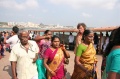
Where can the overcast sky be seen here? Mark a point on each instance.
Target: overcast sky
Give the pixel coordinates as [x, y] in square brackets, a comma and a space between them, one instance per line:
[94, 13]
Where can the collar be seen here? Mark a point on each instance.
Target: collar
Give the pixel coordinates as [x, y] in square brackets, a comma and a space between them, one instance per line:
[30, 45]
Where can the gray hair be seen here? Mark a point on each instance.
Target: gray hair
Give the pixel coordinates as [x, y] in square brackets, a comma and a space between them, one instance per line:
[21, 31]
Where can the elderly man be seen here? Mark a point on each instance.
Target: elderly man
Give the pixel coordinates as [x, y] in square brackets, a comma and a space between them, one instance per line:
[23, 56]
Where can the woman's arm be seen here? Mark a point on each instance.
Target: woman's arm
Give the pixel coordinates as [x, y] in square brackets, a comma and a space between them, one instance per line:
[66, 54]
[78, 40]
[77, 58]
[111, 75]
[38, 38]
[47, 67]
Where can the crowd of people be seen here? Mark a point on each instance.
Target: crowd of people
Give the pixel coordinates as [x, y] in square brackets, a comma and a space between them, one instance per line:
[8, 40]
[44, 57]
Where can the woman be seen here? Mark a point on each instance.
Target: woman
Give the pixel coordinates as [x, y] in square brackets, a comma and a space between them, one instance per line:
[43, 44]
[85, 60]
[113, 57]
[54, 59]
[81, 27]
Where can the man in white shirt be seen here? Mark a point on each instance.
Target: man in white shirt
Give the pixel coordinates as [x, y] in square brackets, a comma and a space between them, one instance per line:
[13, 39]
[23, 56]
[30, 34]
[71, 41]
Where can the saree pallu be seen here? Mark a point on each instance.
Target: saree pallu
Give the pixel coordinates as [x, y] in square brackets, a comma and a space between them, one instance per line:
[57, 65]
[41, 69]
[87, 59]
[43, 46]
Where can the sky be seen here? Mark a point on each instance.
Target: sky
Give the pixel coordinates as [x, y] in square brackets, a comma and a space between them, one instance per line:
[94, 13]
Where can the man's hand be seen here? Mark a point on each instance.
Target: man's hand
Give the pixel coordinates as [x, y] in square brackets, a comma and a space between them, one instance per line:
[36, 57]
[34, 60]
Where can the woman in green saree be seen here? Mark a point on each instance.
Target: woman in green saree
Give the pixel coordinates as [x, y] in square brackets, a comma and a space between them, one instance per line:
[85, 60]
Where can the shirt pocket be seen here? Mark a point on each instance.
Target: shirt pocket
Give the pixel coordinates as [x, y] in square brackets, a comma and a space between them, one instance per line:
[31, 54]
[21, 53]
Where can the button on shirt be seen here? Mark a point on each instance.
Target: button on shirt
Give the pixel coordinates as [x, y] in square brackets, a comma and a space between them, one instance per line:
[26, 69]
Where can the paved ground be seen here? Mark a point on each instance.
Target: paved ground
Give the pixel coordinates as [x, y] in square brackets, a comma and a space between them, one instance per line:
[5, 69]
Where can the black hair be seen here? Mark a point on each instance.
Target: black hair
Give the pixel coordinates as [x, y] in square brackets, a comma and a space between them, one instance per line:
[81, 24]
[87, 32]
[53, 38]
[4, 32]
[95, 33]
[113, 41]
[70, 33]
[107, 35]
[46, 31]
[101, 34]
[15, 29]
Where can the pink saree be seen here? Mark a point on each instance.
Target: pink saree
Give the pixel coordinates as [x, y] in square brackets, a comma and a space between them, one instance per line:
[55, 62]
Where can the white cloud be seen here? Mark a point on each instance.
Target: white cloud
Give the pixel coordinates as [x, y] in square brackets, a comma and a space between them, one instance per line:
[106, 4]
[86, 15]
[13, 4]
[29, 15]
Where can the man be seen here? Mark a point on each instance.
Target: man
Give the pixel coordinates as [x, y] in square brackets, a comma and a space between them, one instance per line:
[30, 34]
[13, 39]
[23, 56]
[71, 41]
